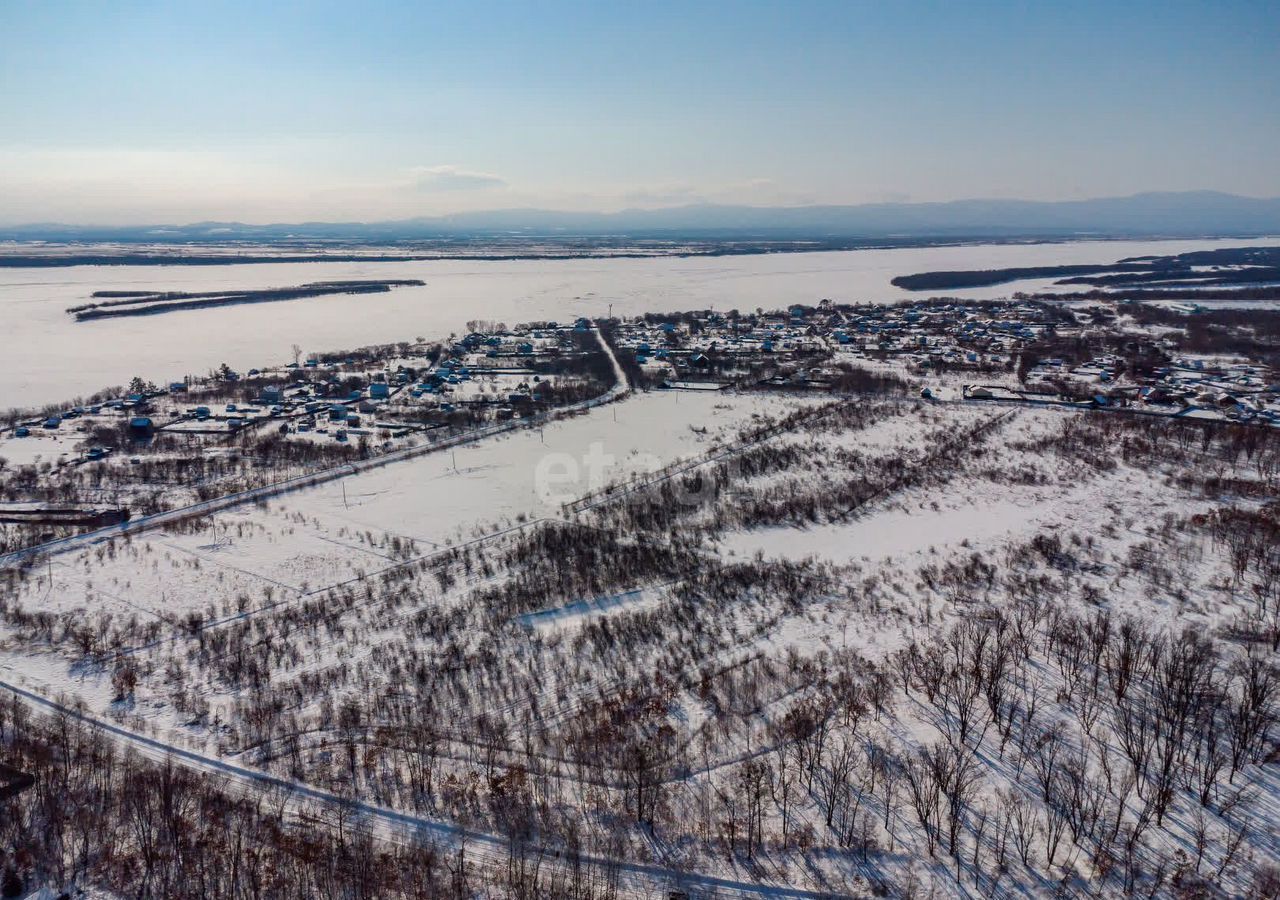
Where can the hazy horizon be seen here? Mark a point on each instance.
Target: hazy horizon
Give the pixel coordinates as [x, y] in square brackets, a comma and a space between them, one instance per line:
[145, 113]
[480, 212]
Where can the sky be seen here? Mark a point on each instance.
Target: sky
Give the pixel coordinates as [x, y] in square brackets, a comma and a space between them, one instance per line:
[271, 111]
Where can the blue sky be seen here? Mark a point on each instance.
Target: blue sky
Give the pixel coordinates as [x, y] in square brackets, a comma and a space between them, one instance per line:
[275, 111]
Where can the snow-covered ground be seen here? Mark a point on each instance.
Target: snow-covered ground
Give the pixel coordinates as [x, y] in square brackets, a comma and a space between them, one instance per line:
[41, 446]
[308, 540]
[336, 591]
[49, 357]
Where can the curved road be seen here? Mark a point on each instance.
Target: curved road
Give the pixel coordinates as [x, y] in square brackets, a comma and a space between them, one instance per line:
[643, 879]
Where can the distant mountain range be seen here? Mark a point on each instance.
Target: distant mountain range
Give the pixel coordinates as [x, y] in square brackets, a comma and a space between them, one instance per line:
[1194, 213]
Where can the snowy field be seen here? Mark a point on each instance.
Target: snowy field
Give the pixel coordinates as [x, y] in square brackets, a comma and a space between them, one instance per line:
[305, 542]
[51, 358]
[773, 614]
[417, 621]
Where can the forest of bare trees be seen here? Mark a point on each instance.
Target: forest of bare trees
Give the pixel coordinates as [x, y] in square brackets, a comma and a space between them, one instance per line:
[1006, 717]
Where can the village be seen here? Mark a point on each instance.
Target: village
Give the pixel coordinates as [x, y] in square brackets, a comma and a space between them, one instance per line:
[157, 448]
[454, 612]
[1031, 352]
[383, 391]
[154, 448]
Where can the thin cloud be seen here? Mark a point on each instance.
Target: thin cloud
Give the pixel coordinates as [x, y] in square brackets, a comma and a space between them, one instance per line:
[664, 196]
[750, 191]
[454, 178]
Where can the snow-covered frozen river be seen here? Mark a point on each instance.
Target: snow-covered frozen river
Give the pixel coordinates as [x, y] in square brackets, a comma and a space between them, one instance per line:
[49, 357]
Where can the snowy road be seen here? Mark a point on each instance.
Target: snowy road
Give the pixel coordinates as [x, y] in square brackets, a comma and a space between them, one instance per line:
[638, 879]
[217, 504]
[642, 880]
